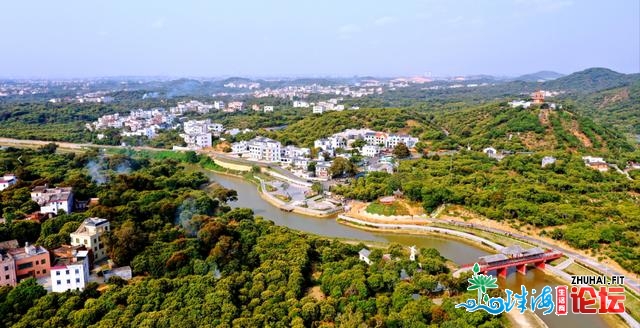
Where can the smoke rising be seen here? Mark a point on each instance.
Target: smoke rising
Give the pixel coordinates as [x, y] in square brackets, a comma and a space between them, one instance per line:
[184, 214]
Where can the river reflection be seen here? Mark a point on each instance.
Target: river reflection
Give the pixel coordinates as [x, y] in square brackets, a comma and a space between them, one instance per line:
[454, 250]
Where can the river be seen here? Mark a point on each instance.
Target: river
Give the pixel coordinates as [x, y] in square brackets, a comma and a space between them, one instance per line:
[454, 250]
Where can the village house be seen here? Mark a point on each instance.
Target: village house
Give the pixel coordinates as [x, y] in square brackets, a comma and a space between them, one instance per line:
[90, 234]
[300, 104]
[7, 181]
[260, 148]
[197, 135]
[70, 273]
[7, 269]
[596, 163]
[364, 255]
[318, 109]
[8, 263]
[322, 170]
[370, 150]
[52, 200]
[218, 105]
[633, 165]
[216, 128]
[235, 106]
[267, 109]
[30, 261]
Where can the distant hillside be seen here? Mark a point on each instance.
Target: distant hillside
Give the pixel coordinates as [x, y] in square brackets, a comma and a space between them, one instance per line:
[529, 129]
[494, 125]
[542, 75]
[619, 107]
[591, 80]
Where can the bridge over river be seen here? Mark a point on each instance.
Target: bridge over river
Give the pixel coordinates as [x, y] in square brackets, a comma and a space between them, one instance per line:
[513, 256]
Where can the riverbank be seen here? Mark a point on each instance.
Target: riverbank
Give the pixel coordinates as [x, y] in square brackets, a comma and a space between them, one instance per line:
[220, 167]
[558, 275]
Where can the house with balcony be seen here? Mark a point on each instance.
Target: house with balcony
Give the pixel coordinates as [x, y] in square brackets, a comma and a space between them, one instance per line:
[90, 234]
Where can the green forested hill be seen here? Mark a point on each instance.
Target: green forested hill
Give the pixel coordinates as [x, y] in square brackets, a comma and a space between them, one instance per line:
[454, 126]
[618, 107]
[591, 80]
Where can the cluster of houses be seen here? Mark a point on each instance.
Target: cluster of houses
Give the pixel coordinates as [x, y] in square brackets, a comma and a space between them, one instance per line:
[375, 143]
[148, 122]
[64, 268]
[321, 106]
[199, 134]
[138, 123]
[303, 91]
[53, 200]
[192, 106]
[537, 98]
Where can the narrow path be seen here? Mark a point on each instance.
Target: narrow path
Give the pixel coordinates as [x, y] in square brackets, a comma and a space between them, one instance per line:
[564, 264]
[423, 228]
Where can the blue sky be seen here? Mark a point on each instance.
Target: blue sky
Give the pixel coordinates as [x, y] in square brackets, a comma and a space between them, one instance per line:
[79, 38]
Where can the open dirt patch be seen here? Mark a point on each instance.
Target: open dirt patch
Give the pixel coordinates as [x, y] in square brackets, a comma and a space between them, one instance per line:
[316, 293]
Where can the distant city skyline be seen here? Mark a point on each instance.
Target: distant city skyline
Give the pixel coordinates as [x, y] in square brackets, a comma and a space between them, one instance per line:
[286, 38]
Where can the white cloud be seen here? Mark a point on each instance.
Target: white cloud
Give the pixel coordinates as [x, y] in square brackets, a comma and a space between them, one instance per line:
[347, 31]
[158, 23]
[384, 20]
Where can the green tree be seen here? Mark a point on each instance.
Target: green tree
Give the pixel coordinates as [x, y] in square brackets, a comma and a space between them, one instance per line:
[401, 150]
[342, 166]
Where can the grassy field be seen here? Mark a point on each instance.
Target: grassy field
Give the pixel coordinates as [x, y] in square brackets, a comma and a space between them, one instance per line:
[394, 209]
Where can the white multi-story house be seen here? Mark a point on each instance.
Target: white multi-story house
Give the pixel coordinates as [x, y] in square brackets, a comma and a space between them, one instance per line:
[240, 147]
[216, 127]
[268, 109]
[89, 234]
[265, 149]
[71, 273]
[218, 105]
[300, 162]
[197, 126]
[198, 140]
[376, 138]
[322, 170]
[293, 152]
[197, 135]
[300, 104]
[52, 200]
[394, 139]
[330, 143]
[370, 150]
[318, 109]
[7, 181]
